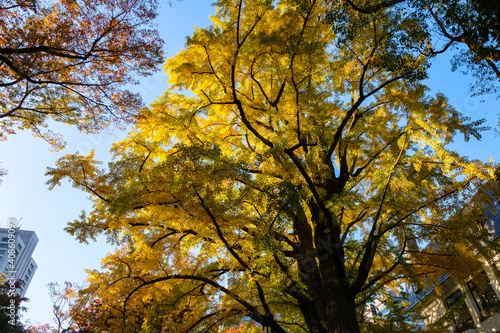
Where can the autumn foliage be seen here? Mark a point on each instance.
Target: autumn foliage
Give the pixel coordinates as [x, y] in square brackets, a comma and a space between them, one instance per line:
[71, 61]
[291, 172]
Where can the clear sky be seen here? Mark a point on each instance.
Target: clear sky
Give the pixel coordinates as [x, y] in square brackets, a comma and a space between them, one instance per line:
[23, 193]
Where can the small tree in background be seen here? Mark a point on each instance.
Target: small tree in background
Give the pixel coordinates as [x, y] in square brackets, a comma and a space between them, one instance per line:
[10, 307]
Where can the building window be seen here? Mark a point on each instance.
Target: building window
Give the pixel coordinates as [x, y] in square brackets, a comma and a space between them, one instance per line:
[484, 296]
[462, 317]
[415, 289]
[5, 239]
[3, 246]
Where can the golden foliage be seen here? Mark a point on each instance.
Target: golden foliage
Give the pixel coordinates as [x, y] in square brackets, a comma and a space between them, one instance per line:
[284, 177]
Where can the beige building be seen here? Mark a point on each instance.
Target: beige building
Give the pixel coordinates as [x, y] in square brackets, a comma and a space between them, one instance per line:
[473, 303]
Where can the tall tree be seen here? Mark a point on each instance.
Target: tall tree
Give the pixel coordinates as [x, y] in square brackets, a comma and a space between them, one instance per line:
[70, 61]
[286, 177]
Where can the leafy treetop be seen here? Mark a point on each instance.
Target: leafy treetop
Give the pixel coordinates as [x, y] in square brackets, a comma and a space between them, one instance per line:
[71, 61]
[287, 176]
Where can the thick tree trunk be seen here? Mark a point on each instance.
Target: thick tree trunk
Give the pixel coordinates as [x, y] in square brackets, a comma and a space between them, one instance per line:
[331, 310]
[332, 306]
[338, 317]
[340, 303]
[340, 312]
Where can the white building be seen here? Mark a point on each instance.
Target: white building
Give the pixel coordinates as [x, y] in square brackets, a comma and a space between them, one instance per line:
[24, 243]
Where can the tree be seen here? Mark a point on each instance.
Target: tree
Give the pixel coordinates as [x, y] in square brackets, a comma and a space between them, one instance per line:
[45, 328]
[71, 61]
[472, 24]
[10, 307]
[62, 305]
[60, 298]
[397, 318]
[285, 177]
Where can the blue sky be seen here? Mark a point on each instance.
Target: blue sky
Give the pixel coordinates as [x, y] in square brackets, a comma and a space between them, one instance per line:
[23, 193]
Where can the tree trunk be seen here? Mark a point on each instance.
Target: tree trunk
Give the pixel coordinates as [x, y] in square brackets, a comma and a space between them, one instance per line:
[333, 309]
[340, 312]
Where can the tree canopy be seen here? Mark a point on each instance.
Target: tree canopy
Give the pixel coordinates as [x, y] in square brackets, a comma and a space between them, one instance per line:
[450, 24]
[71, 61]
[11, 306]
[290, 172]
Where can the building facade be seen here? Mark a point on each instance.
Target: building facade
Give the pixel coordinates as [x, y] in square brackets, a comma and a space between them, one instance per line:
[472, 303]
[19, 261]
